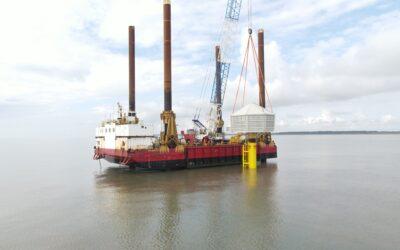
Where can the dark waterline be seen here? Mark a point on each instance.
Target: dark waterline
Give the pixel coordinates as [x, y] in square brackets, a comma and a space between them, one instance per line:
[324, 192]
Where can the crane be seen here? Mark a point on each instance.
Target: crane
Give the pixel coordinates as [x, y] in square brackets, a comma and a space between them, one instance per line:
[223, 64]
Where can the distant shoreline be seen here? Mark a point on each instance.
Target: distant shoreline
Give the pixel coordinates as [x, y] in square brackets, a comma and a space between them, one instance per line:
[337, 133]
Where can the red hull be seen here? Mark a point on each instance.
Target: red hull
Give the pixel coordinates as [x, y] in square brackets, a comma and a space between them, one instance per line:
[191, 157]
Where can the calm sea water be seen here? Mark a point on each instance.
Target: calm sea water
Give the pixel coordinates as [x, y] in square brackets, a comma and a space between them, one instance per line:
[324, 192]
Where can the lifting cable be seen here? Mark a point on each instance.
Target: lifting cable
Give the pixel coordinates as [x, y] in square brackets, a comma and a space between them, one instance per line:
[207, 81]
[245, 79]
[250, 43]
[241, 74]
[203, 89]
[258, 69]
[250, 14]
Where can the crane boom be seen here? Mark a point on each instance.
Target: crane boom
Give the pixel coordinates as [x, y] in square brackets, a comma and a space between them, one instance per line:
[223, 61]
[227, 40]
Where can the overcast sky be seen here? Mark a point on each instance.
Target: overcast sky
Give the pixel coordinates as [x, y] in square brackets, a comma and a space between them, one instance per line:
[331, 64]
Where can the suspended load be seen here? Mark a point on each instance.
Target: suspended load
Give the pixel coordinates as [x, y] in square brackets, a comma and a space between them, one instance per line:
[252, 119]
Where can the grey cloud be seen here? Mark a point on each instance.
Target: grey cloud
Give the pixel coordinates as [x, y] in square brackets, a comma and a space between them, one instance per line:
[363, 69]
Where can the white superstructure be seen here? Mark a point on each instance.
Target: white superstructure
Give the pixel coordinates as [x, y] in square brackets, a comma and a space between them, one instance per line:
[252, 119]
[124, 133]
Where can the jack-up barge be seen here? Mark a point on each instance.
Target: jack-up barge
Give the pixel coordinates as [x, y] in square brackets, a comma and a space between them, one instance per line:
[129, 142]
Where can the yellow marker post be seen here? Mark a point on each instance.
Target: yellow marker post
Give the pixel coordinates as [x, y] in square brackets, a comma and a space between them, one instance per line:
[252, 148]
[249, 155]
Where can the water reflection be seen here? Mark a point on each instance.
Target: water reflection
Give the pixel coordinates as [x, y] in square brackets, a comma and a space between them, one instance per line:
[168, 209]
[250, 177]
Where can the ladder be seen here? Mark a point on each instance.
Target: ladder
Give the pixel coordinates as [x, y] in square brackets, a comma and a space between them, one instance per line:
[249, 155]
[245, 156]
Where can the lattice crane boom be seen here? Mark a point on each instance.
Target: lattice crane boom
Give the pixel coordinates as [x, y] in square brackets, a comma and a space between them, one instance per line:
[227, 41]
